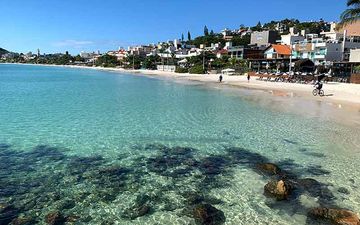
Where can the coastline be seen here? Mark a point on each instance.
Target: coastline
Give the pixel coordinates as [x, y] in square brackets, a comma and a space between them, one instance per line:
[339, 93]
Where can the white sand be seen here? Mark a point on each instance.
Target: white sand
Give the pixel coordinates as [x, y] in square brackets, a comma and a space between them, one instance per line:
[334, 92]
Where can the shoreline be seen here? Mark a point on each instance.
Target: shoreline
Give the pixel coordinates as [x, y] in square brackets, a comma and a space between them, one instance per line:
[340, 94]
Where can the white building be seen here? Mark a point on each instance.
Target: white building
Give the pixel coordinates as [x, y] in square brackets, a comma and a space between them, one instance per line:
[289, 39]
[354, 56]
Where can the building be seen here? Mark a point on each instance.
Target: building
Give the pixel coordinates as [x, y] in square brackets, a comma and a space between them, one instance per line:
[234, 51]
[227, 34]
[354, 56]
[276, 51]
[318, 50]
[264, 38]
[141, 50]
[119, 54]
[89, 57]
[289, 39]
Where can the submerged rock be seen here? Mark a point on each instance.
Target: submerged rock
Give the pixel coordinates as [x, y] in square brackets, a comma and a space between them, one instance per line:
[24, 220]
[67, 204]
[344, 191]
[7, 213]
[137, 211]
[55, 218]
[280, 190]
[206, 214]
[72, 218]
[335, 216]
[269, 168]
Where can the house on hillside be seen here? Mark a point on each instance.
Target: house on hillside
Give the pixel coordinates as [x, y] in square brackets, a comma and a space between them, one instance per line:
[276, 51]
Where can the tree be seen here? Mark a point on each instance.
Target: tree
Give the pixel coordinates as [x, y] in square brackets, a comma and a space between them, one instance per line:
[258, 27]
[150, 62]
[212, 33]
[189, 36]
[182, 37]
[350, 15]
[206, 31]
[107, 61]
[241, 40]
[133, 61]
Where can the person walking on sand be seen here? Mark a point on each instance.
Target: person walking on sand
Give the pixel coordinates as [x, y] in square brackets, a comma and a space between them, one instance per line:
[248, 78]
[220, 78]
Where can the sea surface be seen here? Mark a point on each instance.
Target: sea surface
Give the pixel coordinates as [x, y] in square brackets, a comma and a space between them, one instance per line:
[108, 148]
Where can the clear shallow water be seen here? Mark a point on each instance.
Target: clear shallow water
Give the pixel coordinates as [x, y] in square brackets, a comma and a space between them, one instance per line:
[93, 144]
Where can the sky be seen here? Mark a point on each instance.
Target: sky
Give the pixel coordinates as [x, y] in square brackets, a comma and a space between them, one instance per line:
[92, 25]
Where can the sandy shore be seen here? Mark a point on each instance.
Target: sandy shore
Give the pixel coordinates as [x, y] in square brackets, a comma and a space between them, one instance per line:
[341, 93]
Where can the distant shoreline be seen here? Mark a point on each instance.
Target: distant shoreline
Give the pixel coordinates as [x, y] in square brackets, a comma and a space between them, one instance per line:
[339, 93]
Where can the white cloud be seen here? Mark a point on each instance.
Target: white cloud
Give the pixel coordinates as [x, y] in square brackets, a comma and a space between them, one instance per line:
[72, 43]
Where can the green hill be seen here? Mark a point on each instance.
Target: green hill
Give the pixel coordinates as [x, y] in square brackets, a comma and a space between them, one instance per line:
[3, 51]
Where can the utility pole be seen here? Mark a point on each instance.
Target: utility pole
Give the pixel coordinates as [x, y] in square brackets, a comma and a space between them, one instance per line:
[204, 60]
[290, 63]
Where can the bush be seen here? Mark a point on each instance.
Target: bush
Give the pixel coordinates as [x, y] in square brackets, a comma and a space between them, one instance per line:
[357, 69]
[197, 69]
[181, 70]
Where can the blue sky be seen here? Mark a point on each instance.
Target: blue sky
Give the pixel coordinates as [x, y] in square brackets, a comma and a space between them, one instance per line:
[84, 25]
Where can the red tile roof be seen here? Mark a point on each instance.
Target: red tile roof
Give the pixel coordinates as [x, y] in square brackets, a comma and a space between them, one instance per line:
[282, 49]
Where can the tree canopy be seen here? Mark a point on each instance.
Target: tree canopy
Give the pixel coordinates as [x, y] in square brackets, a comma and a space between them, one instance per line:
[352, 14]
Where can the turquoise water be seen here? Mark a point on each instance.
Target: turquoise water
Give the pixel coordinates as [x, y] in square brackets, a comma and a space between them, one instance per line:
[109, 148]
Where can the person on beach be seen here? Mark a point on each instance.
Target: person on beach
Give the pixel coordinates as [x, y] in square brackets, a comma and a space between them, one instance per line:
[220, 78]
[248, 78]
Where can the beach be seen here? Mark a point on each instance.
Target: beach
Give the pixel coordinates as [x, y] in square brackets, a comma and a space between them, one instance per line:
[107, 146]
[341, 93]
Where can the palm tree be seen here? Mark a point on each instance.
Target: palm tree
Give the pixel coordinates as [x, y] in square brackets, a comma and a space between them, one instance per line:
[352, 14]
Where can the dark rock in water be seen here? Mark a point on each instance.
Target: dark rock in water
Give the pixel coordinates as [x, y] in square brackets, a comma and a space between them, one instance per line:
[213, 165]
[344, 191]
[352, 181]
[4, 146]
[72, 218]
[206, 214]
[190, 162]
[108, 197]
[7, 213]
[280, 190]
[54, 196]
[67, 204]
[335, 216]
[308, 183]
[135, 212]
[142, 199]
[317, 171]
[193, 198]
[315, 189]
[140, 208]
[269, 168]
[55, 218]
[25, 220]
[226, 133]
